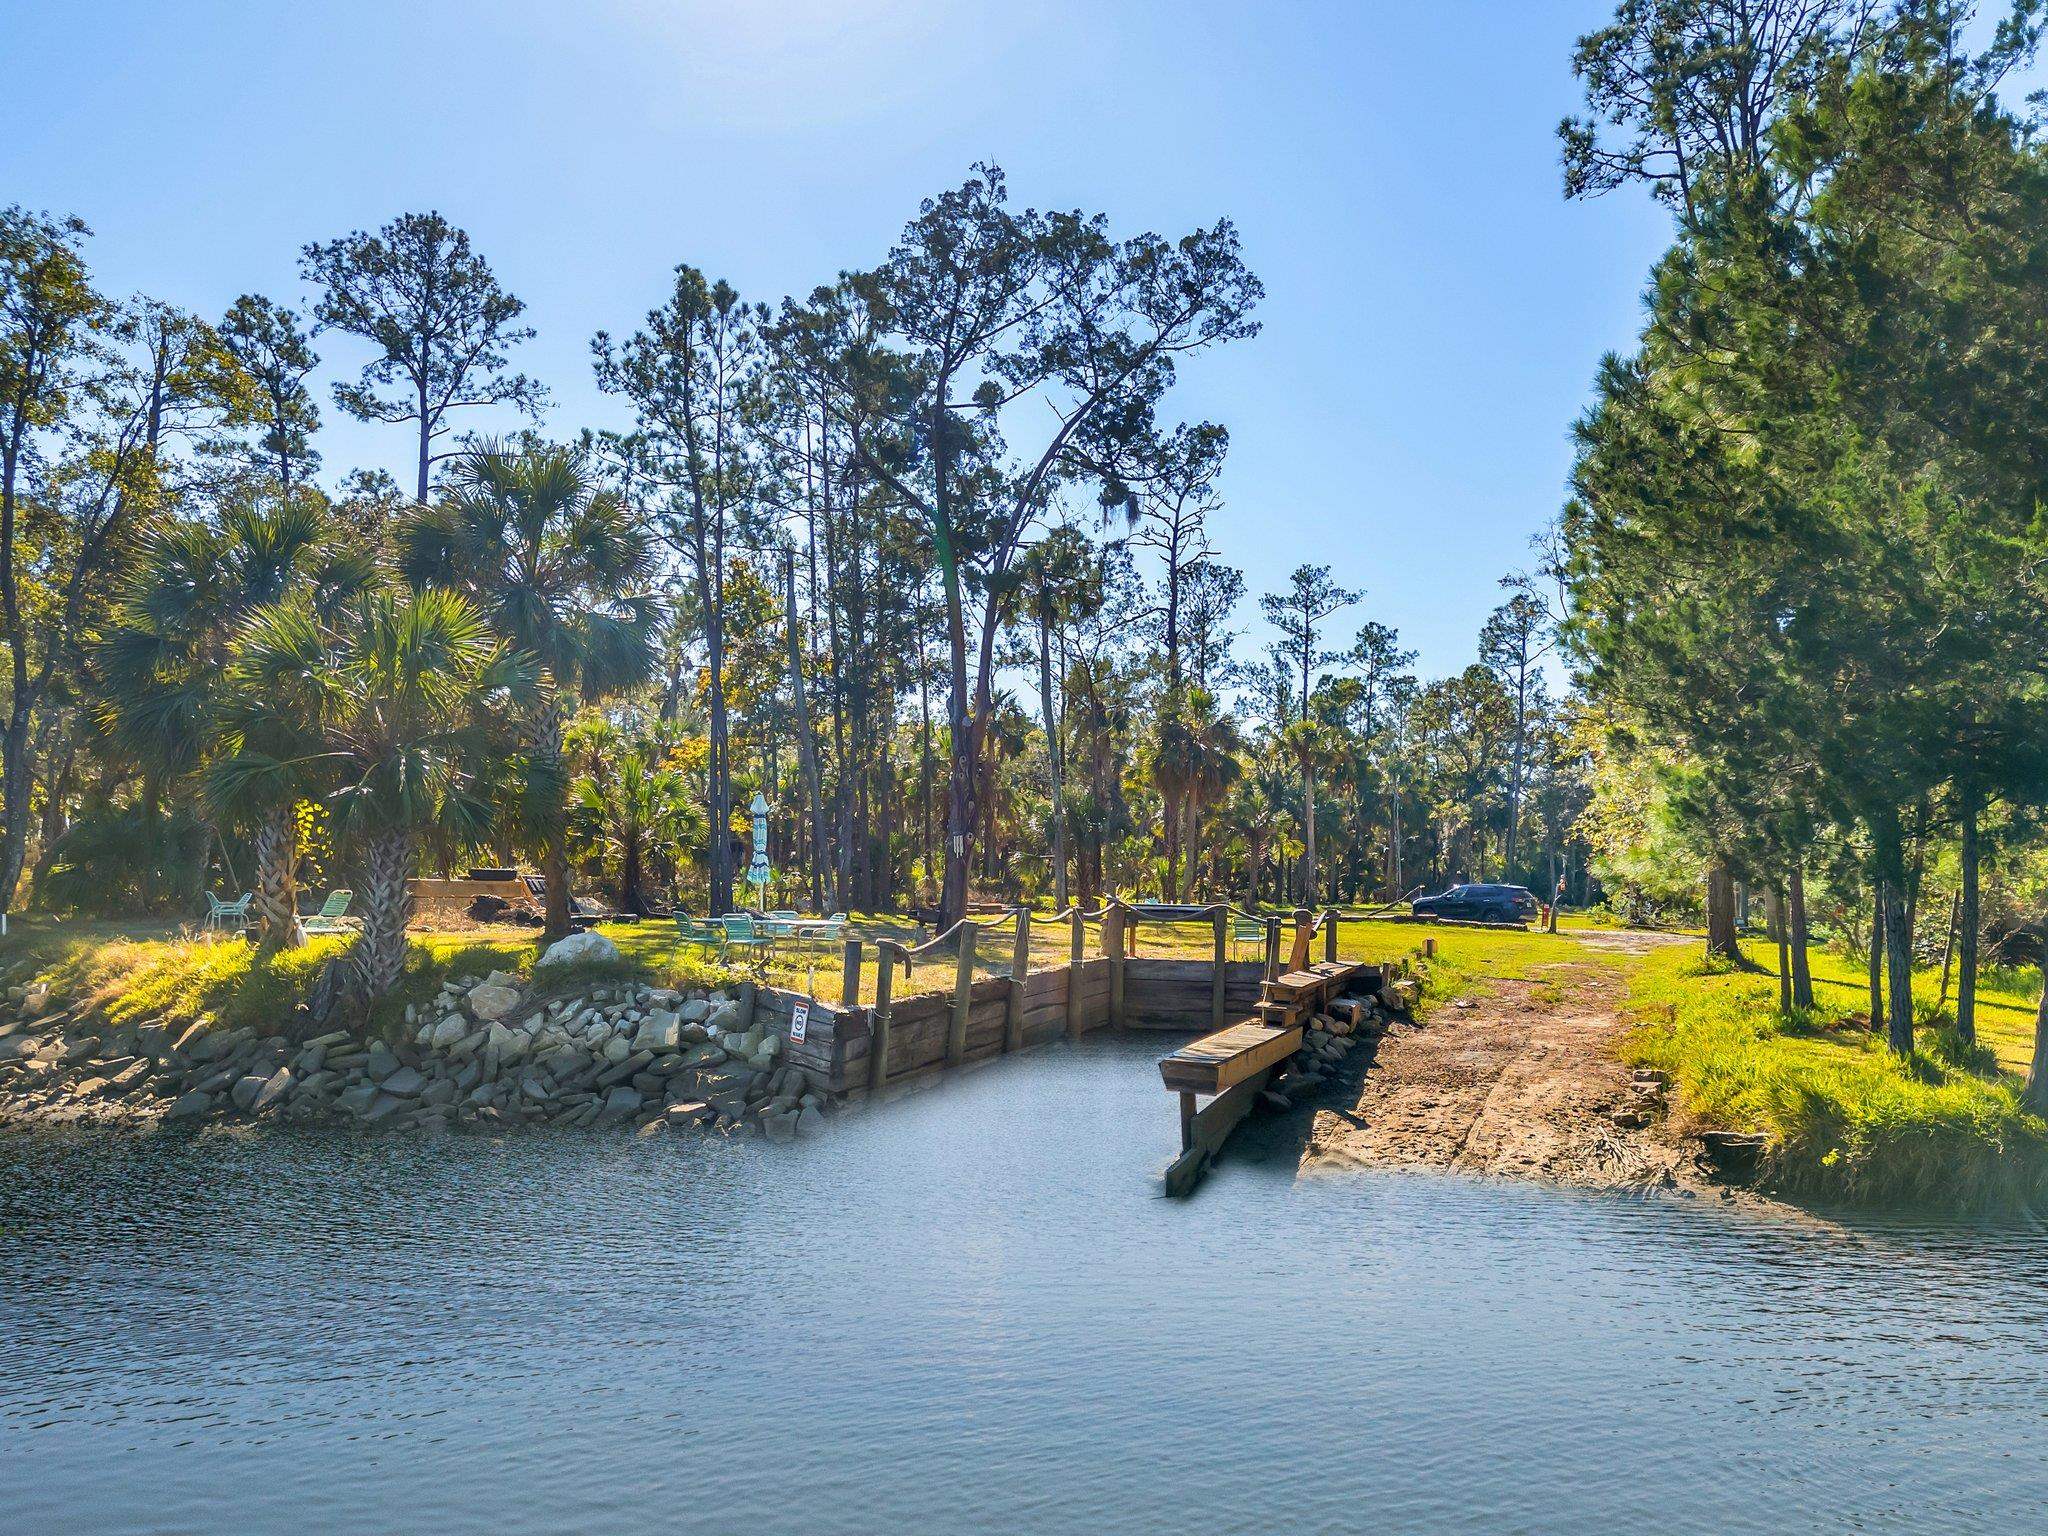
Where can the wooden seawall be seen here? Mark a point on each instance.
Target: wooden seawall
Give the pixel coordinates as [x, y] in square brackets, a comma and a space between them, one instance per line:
[852, 1050]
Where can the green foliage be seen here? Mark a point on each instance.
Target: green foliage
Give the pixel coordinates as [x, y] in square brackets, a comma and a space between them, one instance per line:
[180, 981]
[1847, 1119]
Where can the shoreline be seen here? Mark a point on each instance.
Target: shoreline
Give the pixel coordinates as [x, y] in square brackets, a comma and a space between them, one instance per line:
[487, 1052]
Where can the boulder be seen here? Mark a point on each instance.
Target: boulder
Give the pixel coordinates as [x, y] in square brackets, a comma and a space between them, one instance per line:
[277, 1087]
[405, 1083]
[358, 1099]
[778, 1126]
[245, 1090]
[491, 1001]
[661, 1031]
[190, 1106]
[695, 1011]
[450, 1030]
[621, 1102]
[510, 1044]
[588, 946]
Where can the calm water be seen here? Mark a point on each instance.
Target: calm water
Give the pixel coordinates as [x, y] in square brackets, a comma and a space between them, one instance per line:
[971, 1313]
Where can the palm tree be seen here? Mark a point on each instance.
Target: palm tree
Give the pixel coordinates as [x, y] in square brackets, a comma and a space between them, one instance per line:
[1215, 767]
[391, 711]
[163, 657]
[559, 568]
[629, 800]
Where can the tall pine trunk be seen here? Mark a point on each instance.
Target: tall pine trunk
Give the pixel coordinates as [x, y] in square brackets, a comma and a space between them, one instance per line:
[1802, 975]
[1898, 936]
[2036, 1095]
[1966, 923]
[1054, 761]
[1774, 909]
[1721, 937]
[807, 747]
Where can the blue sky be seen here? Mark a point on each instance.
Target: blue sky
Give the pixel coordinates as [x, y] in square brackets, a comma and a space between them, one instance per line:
[1435, 309]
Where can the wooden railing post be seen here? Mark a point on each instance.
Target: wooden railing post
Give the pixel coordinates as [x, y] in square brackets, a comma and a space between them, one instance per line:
[1330, 921]
[1272, 949]
[849, 974]
[878, 1032]
[1113, 946]
[1077, 951]
[1221, 952]
[1020, 972]
[963, 987]
[1303, 926]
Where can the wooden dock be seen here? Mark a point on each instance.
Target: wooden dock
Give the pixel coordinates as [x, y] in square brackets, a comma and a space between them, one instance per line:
[1234, 1066]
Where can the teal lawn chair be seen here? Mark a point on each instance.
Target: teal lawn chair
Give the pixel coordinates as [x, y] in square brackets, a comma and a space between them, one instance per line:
[744, 932]
[333, 915]
[228, 914]
[704, 935]
[1247, 930]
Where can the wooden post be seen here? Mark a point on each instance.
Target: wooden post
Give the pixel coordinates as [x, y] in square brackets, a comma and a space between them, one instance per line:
[1429, 948]
[1272, 949]
[963, 986]
[878, 1042]
[1113, 946]
[1077, 951]
[1187, 1121]
[1329, 935]
[1303, 925]
[849, 973]
[1020, 972]
[1221, 951]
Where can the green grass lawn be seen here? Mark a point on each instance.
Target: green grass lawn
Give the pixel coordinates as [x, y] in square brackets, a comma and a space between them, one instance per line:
[1847, 1119]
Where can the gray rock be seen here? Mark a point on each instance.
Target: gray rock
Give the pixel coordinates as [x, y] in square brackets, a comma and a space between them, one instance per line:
[450, 1030]
[778, 1127]
[245, 1090]
[809, 1121]
[589, 946]
[662, 1031]
[617, 1049]
[622, 1101]
[190, 1106]
[510, 1044]
[356, 1100]
[277, 1087]
[405, 1083]
[724, 1016]
[383, 1107]
[491, 1003]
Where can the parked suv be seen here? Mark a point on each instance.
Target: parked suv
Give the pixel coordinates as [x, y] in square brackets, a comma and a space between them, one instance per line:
[1481, 904]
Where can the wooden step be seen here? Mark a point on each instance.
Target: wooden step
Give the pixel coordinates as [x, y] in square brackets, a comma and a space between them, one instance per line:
[1228, 1057]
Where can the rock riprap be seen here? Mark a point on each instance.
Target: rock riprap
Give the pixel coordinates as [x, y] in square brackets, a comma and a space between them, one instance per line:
[485, 1051]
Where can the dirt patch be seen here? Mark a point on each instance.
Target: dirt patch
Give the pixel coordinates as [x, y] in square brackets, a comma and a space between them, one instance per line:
[1523, 1081]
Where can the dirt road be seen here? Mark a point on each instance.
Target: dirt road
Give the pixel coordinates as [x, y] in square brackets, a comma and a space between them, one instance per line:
[1522, 1081]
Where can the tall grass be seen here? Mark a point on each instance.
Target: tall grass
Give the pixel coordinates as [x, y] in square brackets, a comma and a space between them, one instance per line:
[1847, 1120]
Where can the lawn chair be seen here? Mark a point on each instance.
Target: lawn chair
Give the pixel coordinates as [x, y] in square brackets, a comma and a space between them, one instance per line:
[228, 914]
[333, 916]
[1247, 930]
[743, 931]
[707, 935]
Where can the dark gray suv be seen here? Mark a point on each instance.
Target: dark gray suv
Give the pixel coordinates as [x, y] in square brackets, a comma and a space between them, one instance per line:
[1481, 904]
